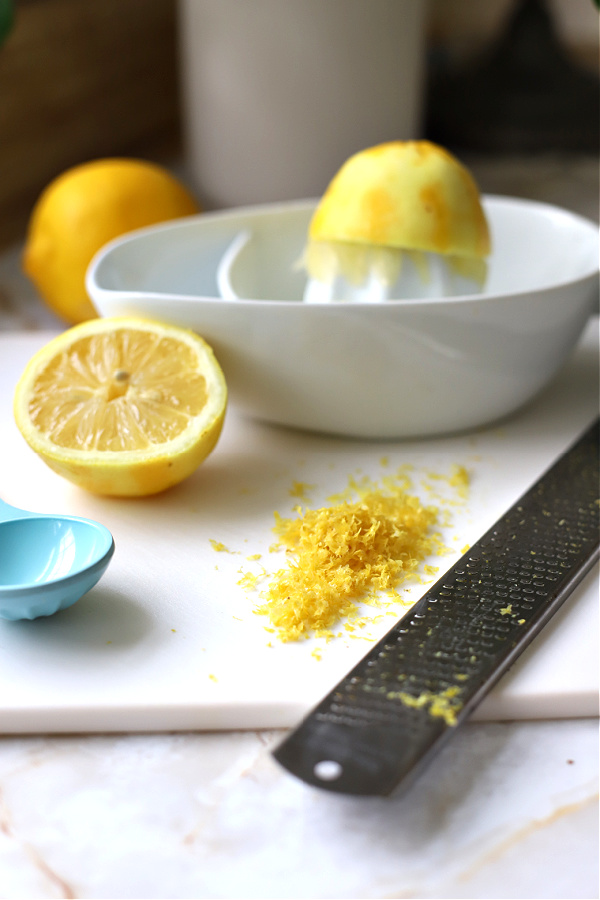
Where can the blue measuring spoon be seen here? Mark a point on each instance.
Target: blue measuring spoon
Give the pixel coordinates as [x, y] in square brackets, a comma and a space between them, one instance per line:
[48, 562]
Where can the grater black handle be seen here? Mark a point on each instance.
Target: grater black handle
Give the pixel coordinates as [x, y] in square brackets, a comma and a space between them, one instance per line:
[396, 708]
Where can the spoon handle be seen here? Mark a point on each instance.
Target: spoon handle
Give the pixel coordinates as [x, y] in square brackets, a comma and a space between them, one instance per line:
[8, 512]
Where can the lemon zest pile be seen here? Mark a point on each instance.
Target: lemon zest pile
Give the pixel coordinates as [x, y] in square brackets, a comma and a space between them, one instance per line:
[347, 553]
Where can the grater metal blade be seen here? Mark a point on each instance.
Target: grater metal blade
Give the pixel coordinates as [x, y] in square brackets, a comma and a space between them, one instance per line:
[396, 708]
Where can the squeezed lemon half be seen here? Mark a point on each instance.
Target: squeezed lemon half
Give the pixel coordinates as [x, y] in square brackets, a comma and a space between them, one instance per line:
[402, 199]
[122, 406]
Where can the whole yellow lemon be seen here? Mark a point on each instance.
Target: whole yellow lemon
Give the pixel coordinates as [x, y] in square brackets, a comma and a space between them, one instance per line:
[83, 209]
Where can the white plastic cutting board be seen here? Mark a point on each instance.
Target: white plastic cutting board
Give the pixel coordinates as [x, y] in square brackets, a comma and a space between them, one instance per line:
[169, 640]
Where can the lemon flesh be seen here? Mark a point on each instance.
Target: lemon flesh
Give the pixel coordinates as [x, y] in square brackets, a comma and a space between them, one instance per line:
[82, 210]
[122, 407]
[398, 204]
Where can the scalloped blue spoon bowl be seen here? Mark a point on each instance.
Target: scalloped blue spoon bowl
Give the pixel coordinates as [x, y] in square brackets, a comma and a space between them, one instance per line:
[48, 562]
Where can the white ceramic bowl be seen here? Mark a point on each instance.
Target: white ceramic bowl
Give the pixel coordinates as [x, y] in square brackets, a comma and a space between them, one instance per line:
[388, 370]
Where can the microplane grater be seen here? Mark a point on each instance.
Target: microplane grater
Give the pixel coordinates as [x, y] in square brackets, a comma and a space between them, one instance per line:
[386, 719]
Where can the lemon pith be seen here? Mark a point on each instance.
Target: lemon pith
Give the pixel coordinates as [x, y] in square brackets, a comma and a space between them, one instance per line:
[125, 407]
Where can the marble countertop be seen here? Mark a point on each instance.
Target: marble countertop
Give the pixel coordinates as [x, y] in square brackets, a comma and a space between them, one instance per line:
[506, 810]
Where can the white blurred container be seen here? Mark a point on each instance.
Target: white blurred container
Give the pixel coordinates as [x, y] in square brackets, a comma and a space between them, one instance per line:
[277, 94]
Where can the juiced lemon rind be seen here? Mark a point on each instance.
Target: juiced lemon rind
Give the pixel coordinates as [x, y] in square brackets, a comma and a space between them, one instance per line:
[404, 194]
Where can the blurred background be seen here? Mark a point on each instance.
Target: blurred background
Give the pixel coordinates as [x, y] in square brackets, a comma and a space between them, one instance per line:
[259, 100]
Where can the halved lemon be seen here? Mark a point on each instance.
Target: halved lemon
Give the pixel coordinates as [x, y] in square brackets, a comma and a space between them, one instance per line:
[400, 197]
[122, 406]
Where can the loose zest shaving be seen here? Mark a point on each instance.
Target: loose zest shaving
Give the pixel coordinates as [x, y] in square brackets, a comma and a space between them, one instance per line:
[219, 547]
[347, 553]
[299, 489]
[444, 705]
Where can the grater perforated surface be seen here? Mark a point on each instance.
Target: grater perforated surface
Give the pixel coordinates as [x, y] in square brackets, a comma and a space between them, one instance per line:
[397, 706]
